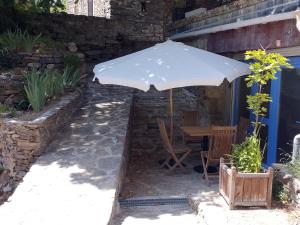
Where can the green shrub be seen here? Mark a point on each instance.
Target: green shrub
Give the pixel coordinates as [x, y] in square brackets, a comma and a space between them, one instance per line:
[35, 89]
[12, 41]
[71, 77]
[29, 41]
[247, 156]
[1, 168]
[280, 192]
[71, 60]
[54, 83]
[5, 108]
[294, 167]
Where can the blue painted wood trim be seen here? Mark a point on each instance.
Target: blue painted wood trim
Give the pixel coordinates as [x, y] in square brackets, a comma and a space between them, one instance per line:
[236, 95]
[273, 120]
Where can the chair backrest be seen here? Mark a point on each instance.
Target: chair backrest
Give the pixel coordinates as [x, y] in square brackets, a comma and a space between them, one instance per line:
[190, 118]
[164, 135]
[221, 142]
[242, 129]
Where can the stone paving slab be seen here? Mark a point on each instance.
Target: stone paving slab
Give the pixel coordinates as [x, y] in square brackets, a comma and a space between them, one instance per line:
[212, 204]
[156, 215]
[77, 180]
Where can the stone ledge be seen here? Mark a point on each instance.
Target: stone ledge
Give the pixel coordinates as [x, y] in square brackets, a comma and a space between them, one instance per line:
[24, 140]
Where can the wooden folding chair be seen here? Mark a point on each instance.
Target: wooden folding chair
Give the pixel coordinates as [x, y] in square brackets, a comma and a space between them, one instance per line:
[176, 152]
[220, 146]
[190, 118]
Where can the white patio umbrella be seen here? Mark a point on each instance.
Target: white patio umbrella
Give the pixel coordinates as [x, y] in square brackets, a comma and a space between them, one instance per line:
[170, 65]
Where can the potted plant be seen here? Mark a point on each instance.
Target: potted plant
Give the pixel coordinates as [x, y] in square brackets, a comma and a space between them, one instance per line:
[243, 182]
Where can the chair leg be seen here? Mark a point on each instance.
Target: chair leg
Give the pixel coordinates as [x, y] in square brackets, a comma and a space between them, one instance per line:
[166, 162]
[178, 162]
[204, 164]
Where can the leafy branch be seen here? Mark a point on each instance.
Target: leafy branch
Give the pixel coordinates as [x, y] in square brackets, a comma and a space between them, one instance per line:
[263, 68]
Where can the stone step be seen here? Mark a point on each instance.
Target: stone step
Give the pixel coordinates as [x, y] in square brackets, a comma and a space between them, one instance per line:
[156, 215]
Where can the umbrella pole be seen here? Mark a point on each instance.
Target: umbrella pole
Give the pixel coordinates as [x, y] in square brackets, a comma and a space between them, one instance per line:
[171, 114]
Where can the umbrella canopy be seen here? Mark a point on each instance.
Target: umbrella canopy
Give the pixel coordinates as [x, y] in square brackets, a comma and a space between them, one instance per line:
[170, 65]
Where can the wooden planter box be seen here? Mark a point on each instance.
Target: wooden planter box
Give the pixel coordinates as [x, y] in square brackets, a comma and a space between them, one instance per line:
[245, 189]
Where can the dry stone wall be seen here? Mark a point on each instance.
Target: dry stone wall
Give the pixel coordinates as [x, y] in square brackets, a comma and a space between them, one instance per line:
[143, 10]
[12, 87]
[99, 39]
[24, 140]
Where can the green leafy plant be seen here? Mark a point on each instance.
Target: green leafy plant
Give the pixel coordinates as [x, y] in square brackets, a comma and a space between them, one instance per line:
[280, 192]
[35, 89]
[54, 83]
[29, 41]
[71, 60]
[36, 6]
[294, 167]
[71, 77]
[247, 157]
[11, 41]
[263, 68]
[5, 108]
[1, 168]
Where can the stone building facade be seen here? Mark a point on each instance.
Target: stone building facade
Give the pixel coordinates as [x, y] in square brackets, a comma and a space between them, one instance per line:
[144, 10]
[244, 25]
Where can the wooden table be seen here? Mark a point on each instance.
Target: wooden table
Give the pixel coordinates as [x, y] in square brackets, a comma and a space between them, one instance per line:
[197, 131]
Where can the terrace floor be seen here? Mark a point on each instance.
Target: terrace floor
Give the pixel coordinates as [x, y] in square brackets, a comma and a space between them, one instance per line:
[146, 180]
[145, 177]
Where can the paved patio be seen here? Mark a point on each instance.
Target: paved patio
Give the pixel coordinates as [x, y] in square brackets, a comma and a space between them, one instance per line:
[146, 180]
[76, 181]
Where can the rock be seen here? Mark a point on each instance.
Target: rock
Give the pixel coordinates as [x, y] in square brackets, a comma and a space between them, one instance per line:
[7, 188]
[50, 66]
[72, 47]
[34, 65]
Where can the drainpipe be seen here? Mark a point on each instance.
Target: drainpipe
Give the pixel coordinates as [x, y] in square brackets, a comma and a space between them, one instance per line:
[242, 23]
[296, 147]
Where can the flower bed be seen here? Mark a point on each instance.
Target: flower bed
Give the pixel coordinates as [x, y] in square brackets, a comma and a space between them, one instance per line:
[24, 139]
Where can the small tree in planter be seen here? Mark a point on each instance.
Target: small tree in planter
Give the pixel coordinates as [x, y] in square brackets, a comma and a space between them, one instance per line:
[245, 183]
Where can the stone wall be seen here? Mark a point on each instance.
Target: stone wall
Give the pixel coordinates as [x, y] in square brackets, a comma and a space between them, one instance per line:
[99, 39]
[211, 102]
[141, 10]
[12, 87]
[24, 140]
